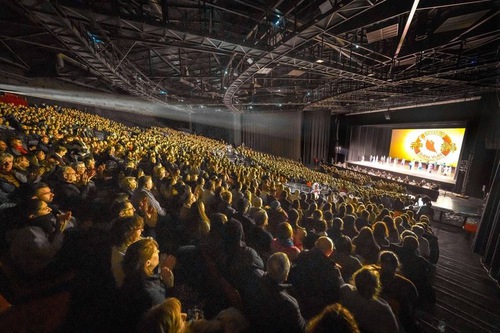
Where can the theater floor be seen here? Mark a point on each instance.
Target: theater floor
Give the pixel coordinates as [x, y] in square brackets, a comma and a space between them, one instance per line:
[468, 300]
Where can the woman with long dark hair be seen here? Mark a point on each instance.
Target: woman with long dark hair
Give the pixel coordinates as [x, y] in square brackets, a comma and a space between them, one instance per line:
[366, 246]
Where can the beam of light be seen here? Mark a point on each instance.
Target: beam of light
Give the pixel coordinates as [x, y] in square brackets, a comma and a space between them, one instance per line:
[209, 115]
[407, 27]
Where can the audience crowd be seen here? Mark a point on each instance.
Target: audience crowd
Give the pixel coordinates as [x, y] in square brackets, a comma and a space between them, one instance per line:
[161, 231]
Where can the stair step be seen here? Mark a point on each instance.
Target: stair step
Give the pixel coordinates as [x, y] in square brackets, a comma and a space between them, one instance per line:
[470, 289]
[461, 320]
[428, 323]
[445, 260]
[486, 317]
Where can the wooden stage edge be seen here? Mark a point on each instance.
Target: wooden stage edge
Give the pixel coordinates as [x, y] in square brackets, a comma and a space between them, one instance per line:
[445, 182]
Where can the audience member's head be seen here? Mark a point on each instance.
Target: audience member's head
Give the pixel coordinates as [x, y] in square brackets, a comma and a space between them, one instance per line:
[121, 208]
[165, 317]
[6, 162]
[325, 245]
[343, 245]
[410, 242]
[278, 267]
[367, 282]
[284, 231]
[333, 318]
[389, 263]
[126, 230]
[141, 259]
[261, 218]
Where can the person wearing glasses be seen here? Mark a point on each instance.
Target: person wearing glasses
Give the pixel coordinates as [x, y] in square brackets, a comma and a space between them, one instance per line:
[67, 195]
[10, 179]
[36, 241]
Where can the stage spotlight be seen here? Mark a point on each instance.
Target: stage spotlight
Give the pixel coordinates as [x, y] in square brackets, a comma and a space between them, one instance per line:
[387, 115]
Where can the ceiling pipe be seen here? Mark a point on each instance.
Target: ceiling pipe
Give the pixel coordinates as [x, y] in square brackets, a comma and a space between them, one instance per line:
[451, 101]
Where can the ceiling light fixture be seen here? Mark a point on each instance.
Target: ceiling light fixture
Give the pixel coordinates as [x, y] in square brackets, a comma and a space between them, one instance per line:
[264, 70]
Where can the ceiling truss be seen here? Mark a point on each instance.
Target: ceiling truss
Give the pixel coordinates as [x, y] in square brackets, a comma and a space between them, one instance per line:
[348, 56]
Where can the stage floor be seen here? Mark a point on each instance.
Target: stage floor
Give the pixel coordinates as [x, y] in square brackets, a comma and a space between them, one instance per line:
[451, 201]
[399, 169]
[446, 200]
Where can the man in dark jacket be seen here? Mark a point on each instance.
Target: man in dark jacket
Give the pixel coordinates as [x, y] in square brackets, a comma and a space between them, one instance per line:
[316, 278]
[272, 308]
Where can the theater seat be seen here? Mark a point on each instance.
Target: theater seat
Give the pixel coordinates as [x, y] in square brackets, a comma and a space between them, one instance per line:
[39, 315]
[4, 305]
[17, 288]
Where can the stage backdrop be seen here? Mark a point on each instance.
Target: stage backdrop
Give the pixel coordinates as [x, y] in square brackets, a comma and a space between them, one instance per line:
[369, 140]
[438, 145]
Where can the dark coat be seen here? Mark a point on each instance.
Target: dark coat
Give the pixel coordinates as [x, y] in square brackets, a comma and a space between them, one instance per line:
[316, 280]
[272, 309]
[137, 297]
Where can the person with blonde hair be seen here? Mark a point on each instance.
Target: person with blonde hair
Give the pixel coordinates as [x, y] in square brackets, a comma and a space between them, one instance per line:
[165, 317]
[334, 318]
[168, 317]
[256, 207]
[128, 184]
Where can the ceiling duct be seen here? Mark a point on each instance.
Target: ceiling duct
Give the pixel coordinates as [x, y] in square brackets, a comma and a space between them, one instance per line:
[325, 7]
[460, 22]
[384, 33]
[296, 72]
[264, 70]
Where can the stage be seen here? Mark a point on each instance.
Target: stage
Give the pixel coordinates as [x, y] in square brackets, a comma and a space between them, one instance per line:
[447, 205]
[404, 170]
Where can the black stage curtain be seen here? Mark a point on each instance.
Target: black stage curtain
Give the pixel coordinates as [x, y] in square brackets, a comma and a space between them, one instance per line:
[316, 138]
[273, 133]
[487, 242]
[369, 140]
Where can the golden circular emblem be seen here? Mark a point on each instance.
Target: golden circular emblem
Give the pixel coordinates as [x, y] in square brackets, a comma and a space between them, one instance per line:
[426, 145]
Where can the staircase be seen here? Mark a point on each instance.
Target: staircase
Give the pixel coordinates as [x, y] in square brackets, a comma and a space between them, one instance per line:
[468, 300]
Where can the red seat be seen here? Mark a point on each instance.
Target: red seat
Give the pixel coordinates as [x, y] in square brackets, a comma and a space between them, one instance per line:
[18, 288]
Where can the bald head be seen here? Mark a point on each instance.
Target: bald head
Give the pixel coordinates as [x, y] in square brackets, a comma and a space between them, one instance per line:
[325, 245]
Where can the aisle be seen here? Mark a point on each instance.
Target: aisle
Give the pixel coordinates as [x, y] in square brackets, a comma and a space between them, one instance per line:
[467, 299]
